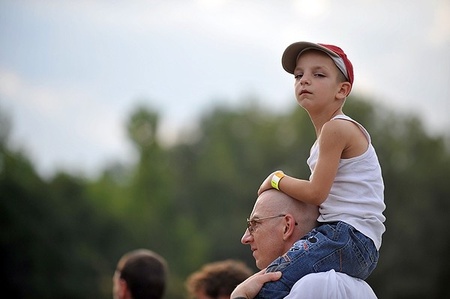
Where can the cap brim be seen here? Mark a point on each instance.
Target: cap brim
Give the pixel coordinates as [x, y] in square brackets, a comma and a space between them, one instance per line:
[289, 58]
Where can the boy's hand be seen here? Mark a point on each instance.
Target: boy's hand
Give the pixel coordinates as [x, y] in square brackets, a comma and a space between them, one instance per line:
[267, 184]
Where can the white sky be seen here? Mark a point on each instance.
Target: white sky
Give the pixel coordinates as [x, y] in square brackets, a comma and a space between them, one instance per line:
[71, 71]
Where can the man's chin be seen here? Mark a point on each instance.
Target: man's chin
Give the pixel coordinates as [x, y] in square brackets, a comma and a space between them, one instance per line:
[260, 265]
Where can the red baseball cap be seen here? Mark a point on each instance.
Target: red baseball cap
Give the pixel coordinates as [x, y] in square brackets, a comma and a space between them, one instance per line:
[292, 52]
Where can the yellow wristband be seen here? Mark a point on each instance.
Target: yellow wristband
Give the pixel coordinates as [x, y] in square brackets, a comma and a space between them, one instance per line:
[277, 176]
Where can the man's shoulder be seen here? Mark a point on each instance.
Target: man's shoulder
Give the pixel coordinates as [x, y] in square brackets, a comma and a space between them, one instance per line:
[330, 284]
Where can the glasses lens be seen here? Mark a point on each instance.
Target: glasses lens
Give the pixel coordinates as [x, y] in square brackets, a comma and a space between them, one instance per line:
[250, 225]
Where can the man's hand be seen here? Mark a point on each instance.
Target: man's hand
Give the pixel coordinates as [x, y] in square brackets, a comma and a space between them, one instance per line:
[250, 287]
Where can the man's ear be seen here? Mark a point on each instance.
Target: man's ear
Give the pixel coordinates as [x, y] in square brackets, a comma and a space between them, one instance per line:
[344, 90]
[289, 226]
[123, 289]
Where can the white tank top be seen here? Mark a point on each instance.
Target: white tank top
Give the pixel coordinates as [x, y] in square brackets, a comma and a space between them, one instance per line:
[357, 194]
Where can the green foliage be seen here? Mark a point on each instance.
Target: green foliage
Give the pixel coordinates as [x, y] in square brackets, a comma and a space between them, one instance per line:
[52, 241]
[62, 238]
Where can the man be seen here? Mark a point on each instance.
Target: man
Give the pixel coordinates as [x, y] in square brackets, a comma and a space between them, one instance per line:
[140, 274]
[217, 280]
[275, 224]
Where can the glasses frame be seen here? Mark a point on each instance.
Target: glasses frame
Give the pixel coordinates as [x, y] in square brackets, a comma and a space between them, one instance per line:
[251, 223]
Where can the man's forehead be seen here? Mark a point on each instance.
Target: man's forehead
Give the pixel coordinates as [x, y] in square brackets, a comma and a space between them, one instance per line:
[262, 206]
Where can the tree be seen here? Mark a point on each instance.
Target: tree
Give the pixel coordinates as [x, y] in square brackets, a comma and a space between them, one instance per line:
[62, 237]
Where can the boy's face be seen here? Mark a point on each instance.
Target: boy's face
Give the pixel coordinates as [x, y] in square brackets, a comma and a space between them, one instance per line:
[317, 81]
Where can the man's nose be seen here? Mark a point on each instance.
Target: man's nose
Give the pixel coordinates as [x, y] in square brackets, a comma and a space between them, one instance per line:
[246, 238]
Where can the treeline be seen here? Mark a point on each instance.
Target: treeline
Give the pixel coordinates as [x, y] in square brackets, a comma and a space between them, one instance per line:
[61, 237]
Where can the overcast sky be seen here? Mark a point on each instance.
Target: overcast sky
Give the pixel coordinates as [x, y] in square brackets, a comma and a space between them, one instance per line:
[71, 72]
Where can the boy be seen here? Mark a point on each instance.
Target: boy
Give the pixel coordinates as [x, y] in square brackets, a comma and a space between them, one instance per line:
[345, 182]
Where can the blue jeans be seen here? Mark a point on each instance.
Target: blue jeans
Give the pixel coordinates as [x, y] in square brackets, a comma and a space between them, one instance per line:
[336, 245]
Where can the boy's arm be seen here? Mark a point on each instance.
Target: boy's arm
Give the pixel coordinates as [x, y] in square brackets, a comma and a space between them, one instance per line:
[333, 140]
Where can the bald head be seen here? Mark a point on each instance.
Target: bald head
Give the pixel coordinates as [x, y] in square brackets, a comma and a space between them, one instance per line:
[278, 202]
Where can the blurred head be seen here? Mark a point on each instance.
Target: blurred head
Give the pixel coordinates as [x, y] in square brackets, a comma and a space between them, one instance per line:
[140, 274]
[217, 280]
[275, 224]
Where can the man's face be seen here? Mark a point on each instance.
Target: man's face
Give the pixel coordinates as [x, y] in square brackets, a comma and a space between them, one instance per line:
[266, 239]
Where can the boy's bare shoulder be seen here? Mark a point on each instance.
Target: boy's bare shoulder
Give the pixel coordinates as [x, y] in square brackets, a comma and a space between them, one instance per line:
[350, 134]
[344, 125]
[340, 126]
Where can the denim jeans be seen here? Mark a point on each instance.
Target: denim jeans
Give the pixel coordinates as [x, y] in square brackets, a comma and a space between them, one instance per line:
[336, 245]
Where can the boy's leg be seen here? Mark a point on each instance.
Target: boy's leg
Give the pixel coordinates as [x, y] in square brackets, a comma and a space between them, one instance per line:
[295, 264]
[351, 252]
[335, 246]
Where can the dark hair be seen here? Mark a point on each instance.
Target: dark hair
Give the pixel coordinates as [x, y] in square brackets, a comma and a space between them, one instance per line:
[145, 274]
[218, 278]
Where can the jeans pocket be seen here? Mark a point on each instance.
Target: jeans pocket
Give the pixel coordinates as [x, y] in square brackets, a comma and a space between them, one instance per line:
[350, 259]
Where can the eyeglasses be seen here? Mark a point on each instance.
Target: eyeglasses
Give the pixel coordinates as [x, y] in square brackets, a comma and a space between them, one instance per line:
[251, 224]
